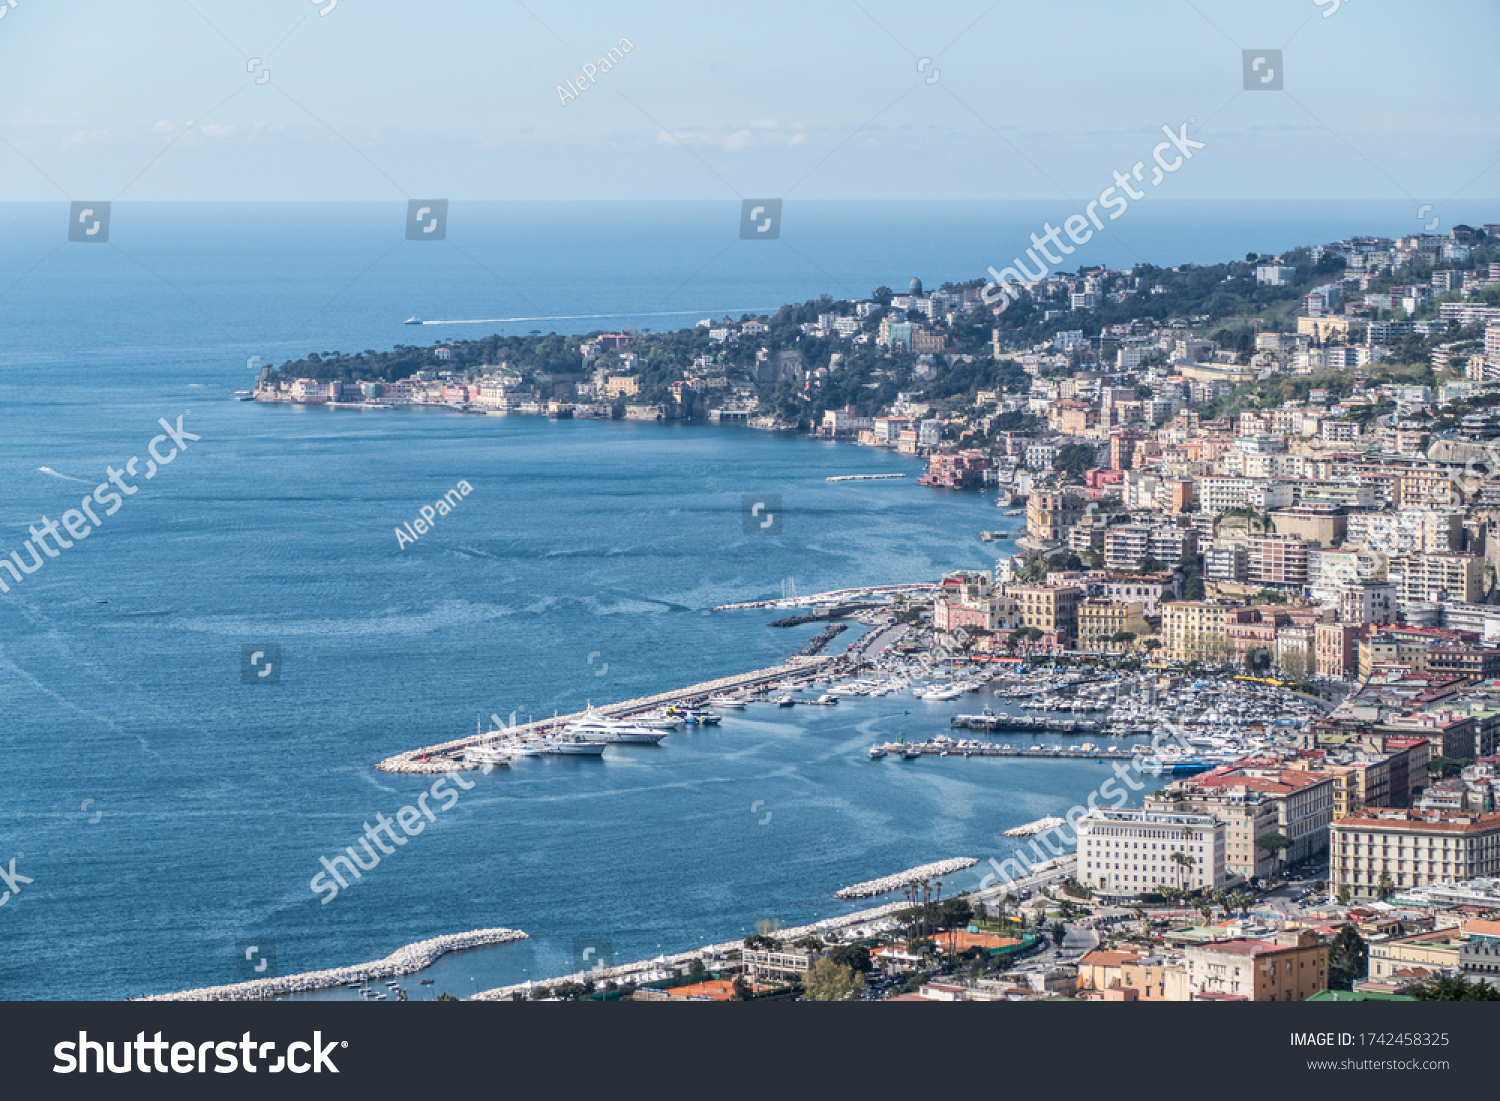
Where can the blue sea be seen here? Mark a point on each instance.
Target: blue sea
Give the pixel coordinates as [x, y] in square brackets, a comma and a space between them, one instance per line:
[167, 814]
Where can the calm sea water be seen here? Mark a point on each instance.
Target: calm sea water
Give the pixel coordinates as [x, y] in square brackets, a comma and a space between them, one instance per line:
[168, 813]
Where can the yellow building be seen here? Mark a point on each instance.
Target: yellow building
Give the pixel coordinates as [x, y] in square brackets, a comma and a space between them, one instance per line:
[1194, 630]
[617, 385]
[1100, 620]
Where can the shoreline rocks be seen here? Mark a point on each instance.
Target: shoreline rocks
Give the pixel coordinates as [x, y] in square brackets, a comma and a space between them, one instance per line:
[403, 961]
[885, 884]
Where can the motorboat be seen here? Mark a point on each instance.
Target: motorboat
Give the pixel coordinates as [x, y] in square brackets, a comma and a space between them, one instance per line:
[491, 755]
[728, 703]
[786, 701]
[659, 720]
[413, 320]
[600, 728]
[571, 745]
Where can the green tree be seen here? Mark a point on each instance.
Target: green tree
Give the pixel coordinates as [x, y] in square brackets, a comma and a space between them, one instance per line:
[826, 981]
[1275, 844]
[1384, 889]
[446, 997]
[855, 956]
[742, 989]
[1441, 767]
[1454, 988]
[1348, 959]
[1073, 460]
[1059, 934]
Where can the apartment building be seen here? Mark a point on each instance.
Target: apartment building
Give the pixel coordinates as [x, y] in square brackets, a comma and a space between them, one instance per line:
[1194, 630]
[1409, 531]
[1292, 968]
[1100, 620]
[1397, 850]
[1434, 577]
[1278, 560]
[1253, 801]
[1050, 609]
[1126, 853]
[1127, 546]
[1334, 649]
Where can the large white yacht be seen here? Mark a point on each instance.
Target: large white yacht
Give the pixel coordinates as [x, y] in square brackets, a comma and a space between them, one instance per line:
[600, 728]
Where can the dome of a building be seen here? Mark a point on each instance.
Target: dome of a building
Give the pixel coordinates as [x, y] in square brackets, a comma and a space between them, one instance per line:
[916, 286]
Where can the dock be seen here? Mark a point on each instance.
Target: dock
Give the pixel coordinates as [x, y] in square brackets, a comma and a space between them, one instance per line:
[1035, 752]
[863, 477]
[443, 758]
[1027, 722]
[836, 596]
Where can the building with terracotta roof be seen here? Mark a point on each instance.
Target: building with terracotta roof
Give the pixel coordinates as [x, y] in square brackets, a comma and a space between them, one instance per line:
[1398, 850]
[1258, 970]
[1254, 800]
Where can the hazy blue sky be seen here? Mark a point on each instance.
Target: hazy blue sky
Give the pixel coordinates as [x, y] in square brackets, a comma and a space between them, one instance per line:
[380, 100]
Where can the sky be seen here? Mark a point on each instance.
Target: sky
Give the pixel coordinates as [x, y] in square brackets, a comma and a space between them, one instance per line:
[851, 99]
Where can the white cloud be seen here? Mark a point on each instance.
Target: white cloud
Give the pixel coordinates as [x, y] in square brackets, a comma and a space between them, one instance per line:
[763, 124]
[737, 140]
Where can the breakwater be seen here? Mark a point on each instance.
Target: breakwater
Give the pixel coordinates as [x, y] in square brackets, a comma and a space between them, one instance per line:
[888, 883]
[822, 639]
[822, 613]
[646, 970]
[403, 961]
[445, 757]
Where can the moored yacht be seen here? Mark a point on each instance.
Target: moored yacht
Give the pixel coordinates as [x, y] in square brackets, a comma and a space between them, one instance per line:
[600, 728]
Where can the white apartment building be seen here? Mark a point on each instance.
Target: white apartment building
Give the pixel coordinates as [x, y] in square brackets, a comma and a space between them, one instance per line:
[1126, 853]
[1411, 848]
[1407, 531]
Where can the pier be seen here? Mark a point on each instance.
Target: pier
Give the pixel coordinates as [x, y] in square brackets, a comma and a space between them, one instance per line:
[923, 588]
[445, 757]
[403, 961]
[1036, 752]
[889, 883]
[1026, 722]
[863, 477]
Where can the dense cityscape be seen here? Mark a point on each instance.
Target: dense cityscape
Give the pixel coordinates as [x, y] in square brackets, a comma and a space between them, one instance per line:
[1257, 505]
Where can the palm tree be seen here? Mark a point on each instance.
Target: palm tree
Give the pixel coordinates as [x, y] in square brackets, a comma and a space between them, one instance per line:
[1184, 863]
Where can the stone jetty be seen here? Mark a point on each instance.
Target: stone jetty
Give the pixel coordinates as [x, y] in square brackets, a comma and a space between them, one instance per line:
[444, 757]
[895, 882]
[403, 961]
[639, 969]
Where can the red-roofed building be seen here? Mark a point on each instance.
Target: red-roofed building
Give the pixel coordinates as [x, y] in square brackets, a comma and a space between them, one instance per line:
[1258, 970]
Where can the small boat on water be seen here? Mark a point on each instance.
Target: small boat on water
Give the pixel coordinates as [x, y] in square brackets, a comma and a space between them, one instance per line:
[878, 751]
[910, 753]
[493, 756]
[786, 701]
[571, 745]
[244, 395]
[729, 703]
[413, 320]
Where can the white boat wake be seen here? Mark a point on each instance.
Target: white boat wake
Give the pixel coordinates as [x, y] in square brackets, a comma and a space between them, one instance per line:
[55, 474]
